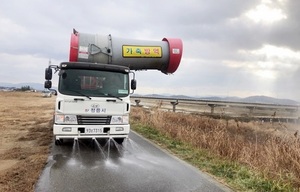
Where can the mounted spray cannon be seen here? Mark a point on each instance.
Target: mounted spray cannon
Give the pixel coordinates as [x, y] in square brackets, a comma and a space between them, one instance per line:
[162, 55]
[93, 89]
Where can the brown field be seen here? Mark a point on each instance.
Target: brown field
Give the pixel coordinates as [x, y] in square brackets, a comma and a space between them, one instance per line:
[25, 139]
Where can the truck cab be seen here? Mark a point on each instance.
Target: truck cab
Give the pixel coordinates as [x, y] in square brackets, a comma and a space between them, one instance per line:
[92, 101]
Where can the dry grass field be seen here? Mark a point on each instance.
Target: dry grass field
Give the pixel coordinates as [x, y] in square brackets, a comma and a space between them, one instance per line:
[25, 137]
[270, 149]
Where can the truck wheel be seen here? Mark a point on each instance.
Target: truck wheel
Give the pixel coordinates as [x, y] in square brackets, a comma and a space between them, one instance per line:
[119, 140]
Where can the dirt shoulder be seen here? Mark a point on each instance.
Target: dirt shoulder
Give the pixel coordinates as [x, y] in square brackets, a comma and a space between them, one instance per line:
[25, 138]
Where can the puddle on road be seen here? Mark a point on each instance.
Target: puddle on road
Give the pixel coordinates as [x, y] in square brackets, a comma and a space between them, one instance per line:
[92, 153]
[89, 157]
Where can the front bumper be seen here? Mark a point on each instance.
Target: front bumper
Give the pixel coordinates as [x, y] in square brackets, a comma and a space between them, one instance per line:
[78, 131]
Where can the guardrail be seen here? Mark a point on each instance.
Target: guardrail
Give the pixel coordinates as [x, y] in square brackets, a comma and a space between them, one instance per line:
[261, 111]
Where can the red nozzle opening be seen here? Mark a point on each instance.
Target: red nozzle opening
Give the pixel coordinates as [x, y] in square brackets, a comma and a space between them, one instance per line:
[175, 48]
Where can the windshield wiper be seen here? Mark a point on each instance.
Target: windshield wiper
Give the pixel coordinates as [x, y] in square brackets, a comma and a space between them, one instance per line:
[108, 94]
[82, 94]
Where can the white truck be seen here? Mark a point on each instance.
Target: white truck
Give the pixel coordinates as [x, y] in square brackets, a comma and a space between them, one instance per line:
[94, 86]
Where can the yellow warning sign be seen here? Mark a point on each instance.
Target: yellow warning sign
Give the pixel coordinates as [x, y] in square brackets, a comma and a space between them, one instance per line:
[142, 51]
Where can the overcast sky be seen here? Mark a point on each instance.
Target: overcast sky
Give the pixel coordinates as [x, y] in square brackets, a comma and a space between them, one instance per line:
[230, 47]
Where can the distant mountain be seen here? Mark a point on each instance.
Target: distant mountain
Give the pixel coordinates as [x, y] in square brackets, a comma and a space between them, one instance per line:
[168, 96]
[252, 99]
[37, 86]
[256, 99]
[269, 100]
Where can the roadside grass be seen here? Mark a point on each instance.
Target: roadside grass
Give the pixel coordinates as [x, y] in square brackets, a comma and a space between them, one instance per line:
[240, 155]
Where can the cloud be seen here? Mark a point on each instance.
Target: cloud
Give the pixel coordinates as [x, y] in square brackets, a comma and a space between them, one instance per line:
[229, 46]
[22, 68]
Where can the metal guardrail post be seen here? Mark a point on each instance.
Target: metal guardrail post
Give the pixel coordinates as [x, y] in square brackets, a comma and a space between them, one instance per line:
[212, 108]
[137, 102]
[251, 110]
[174, 103]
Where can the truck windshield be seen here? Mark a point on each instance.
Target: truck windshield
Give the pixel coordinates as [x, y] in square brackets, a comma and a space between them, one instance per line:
[93, 83]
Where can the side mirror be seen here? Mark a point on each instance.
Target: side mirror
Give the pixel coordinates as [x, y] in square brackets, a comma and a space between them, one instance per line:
[48, 73]
[48, 84]
[133, 84]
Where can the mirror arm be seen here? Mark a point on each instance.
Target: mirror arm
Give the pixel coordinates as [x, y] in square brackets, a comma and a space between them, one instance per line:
[55, 67]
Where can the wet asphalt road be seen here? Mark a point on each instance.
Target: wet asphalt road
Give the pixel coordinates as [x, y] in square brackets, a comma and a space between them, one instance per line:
[136, 166]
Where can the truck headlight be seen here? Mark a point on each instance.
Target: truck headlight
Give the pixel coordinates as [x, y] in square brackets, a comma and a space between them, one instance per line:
[65, 119]
[119, 119]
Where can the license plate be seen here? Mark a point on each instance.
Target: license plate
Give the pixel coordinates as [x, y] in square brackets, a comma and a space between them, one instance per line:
[93, 130]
